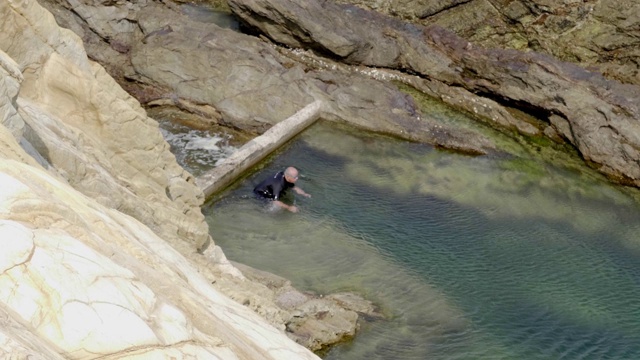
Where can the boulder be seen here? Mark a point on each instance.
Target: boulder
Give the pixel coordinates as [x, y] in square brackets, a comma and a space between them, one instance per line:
[315, 321]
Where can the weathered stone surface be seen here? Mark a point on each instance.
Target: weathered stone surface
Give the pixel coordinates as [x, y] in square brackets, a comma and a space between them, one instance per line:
[327, 320]
[96, 136]
[353, 35]
[19, 343]
[602, 34]
[10, 77]
[247, 83]
[95, 283]
[315, 321]
[602, 115]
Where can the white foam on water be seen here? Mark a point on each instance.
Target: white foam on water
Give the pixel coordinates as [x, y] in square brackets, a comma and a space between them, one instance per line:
[199, 143]
[196, 150]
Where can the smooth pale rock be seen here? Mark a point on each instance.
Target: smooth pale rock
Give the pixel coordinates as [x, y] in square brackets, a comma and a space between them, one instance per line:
[91, 131]
[18, 343]
[184, 351]
[17, 245]
[88, 270]
[103, 291]
[171, 318]
[10, 79]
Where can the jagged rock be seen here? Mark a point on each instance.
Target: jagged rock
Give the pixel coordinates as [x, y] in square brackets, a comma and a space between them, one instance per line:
[599, 116]
[74, 289]
[315, 321]
[600, 34]
[95, 272]
[248, 83]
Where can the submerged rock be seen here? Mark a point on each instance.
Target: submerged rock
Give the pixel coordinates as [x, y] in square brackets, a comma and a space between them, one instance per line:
[315, 321]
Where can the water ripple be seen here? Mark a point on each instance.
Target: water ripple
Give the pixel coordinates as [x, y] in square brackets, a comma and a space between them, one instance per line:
[542, 276]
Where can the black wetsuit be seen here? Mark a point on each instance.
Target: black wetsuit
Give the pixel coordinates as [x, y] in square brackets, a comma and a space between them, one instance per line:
[274, 187]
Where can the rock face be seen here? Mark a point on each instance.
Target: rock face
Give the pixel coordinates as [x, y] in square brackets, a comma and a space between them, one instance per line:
[238, 80]
[234, 79]
[72, 110]
[81, 281]
[597, 116]
[100, 225]
[592, 33]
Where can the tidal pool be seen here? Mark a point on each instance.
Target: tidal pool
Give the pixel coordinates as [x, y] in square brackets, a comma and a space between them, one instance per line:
[468, 257]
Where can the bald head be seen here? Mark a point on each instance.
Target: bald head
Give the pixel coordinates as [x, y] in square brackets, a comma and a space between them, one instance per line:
[291, 174]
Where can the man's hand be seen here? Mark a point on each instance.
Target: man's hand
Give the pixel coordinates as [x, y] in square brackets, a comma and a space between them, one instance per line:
[301, 192]
[282, 205]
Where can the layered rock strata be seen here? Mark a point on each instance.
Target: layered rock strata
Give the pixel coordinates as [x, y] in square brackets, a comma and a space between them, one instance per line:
[237, 80]
[599, 117]
[100, 225]
[593, 33]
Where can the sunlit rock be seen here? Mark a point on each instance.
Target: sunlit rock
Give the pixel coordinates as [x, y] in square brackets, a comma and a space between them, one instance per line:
[88, 128]
[96, 291]
[96, 218]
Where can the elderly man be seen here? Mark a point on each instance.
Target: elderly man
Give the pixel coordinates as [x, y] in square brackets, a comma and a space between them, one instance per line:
[274, 187]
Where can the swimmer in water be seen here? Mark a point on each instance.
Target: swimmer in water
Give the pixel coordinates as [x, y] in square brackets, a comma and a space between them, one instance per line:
[274, 187]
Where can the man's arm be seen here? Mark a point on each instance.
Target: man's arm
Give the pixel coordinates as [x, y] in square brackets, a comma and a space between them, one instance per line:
[299, 191]
[292, 208]
[276, 199]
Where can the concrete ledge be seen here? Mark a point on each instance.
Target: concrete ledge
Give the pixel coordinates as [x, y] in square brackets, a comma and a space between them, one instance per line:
[257, 149]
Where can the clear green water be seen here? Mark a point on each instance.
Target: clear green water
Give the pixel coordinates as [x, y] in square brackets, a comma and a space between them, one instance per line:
[469, 258]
